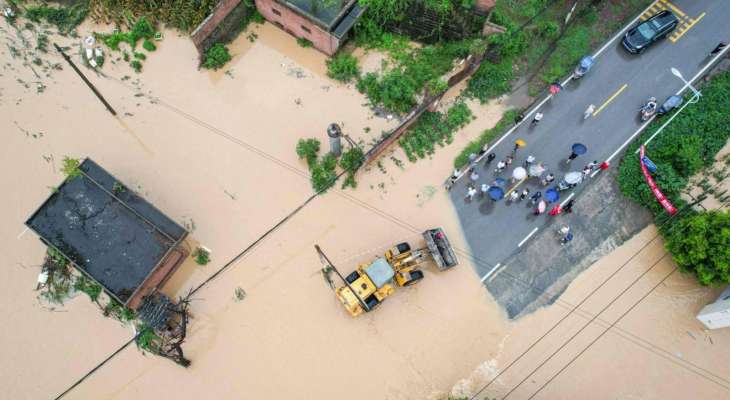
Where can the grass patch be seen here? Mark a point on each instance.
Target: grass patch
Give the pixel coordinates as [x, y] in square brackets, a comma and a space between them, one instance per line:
[487, 136]
[304, 42]
[201, 256]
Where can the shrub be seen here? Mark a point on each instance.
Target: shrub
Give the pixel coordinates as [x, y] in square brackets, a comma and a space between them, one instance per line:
[308, 150]
[140, 56]
[136, 66]
[491, 80]
[323, 173]
[70, 167]
[216, 57]
[434, 128]
[201, 256]
[142, 29]
[343, 67]
[86, 285]
[351, 161]
[701, 244]
[304, 42]
[149, 45]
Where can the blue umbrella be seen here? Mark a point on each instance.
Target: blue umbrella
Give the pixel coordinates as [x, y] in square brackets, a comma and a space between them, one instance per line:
[495, 193]
[579, 148]
[500, 182]
[551, 195]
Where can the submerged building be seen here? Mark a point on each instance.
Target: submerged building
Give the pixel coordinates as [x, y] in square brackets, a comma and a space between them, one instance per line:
[325, 23]
[110, 234]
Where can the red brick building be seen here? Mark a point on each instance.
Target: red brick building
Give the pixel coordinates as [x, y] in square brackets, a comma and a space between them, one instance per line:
[325, 23]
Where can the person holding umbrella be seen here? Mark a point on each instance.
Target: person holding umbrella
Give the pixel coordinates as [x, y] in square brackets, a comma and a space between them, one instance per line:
[541, 207]
[549, 178]
[552, 195]
[576, 150]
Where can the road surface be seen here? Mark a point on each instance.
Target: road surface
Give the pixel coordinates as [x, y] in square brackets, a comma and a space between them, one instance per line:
[618, 84]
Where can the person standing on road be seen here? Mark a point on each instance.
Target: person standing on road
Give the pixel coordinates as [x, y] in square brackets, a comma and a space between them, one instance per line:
[568, 207]
[587, 171]
[524, 194]
[470, 193]
[589, 111]
[529, 161]
[593, 165]
[474, 176]
[500, 167]
[535, 197]
[519, 117]
[484, 190]
[549, 178]
[718, 48]
[508, 160]
[566, 239]
[537, 118]
[452, 179]
[490, 158]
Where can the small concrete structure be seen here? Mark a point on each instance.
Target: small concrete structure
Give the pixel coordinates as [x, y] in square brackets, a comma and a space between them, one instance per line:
[325, 23]
[717, 314]
[110, 234]
[334, 133]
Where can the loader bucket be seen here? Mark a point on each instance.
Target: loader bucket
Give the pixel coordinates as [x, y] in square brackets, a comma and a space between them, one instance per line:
[440, 248]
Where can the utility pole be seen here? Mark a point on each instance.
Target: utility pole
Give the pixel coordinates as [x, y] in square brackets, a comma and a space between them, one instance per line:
[89, 84]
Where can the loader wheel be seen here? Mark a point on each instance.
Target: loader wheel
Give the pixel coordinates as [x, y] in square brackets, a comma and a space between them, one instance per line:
[352, 277]
[415, 277]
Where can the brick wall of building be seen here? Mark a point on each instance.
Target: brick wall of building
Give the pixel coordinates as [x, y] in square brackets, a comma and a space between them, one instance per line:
[298, 26]
[220, 26]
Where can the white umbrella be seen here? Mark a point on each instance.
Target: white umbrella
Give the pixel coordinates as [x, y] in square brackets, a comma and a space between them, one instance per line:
[536, 170]
[573, 177]
[519, 173]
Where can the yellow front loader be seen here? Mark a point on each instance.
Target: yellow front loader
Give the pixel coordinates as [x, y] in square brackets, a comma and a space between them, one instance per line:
[370, 284]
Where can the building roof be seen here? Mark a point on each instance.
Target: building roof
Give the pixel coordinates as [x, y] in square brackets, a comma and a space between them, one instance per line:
[326, 13]
[106, 230]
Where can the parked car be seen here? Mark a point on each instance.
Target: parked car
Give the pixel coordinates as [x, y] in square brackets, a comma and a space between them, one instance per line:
[656, 27]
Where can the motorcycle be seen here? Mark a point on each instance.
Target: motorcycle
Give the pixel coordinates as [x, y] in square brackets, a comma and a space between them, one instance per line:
[670, 104]
[585, 65]
[649, 109]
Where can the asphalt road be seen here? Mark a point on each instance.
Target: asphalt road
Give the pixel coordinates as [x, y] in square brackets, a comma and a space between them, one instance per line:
[495, 229]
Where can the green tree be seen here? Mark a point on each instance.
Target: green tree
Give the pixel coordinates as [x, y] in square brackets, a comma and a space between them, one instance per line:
[216, 57]
[701, 244]
[343, 67]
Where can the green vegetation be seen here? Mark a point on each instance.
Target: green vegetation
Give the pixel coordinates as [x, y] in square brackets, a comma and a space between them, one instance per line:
[140, 56]
[216, 57]
[343, 67]
[308, 150]
[409, 71]
[70, 167]
[141, 30]
[65, 19]
[148, 340]
[149, 45]
[351, 161]
[136, 66]
[117, 311]
[201, 256]
[91, 288]
[701, 244]
[184, 15]
[684, 148]
[474, 146]
[434, 128]
[323, 172]
[304, 42]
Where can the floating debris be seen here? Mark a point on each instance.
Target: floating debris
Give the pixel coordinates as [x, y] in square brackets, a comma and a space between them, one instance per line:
[240, 294]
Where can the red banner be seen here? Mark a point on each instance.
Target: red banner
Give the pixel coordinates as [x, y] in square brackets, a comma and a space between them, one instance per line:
[661, 198]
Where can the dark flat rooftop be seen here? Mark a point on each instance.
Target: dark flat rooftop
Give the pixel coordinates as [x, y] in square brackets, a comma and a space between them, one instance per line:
[114, 236]
[326, 13]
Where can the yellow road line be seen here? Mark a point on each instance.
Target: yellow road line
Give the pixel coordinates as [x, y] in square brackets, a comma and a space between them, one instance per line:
[674, 8]
[610, 99]
[694, 21]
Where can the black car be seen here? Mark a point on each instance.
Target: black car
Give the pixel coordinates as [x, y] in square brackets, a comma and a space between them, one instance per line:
[659, 25]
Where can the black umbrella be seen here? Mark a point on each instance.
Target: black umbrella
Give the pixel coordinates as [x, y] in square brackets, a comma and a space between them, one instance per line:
[579, 148]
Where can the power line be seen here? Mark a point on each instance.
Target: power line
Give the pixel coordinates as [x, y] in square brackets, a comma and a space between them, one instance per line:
[603, 333]
[592, 319]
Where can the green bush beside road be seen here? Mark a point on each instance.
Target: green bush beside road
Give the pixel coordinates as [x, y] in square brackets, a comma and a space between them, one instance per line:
[698, 241]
